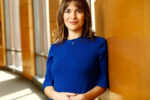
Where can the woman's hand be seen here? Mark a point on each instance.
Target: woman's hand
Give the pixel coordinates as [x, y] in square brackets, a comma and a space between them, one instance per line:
[78, 97]
[62, 95]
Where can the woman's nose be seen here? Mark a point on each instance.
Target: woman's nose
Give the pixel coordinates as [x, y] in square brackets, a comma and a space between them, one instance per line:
[73, 15]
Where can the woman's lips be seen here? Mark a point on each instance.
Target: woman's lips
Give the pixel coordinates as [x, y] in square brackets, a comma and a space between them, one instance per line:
[73, 22]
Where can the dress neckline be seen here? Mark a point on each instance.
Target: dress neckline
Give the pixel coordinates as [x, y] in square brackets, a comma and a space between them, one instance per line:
[74, 39]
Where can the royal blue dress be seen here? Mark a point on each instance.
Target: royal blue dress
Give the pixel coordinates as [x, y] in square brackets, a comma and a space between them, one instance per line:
[77, 65]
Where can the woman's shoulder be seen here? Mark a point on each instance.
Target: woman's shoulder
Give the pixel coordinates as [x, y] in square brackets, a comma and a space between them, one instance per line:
[101, 43]
[100, 40]
[97, 38]
[54, 44]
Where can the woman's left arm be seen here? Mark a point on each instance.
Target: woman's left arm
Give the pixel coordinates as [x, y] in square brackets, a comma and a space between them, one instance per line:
[102, 83]
[90, 95]
[93, 93]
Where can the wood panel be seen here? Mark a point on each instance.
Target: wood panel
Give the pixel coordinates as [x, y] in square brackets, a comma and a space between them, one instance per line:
[2, 36]
[126, 26]
[27, 38]
[53, 8]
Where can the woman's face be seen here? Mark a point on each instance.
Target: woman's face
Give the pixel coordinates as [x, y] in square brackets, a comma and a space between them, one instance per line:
[73, 18]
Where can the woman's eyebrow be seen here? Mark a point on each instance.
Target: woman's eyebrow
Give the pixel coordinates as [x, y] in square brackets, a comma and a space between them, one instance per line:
[67, 9]
[74, 9]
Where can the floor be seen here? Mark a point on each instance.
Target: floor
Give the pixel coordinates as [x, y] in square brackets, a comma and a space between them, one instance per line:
[15, 87]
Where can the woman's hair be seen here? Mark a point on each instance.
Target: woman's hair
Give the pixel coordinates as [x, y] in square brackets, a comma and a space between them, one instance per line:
[62, 32]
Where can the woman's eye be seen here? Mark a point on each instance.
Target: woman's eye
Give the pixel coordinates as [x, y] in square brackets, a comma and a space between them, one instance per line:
[79, 11]
[67, 11]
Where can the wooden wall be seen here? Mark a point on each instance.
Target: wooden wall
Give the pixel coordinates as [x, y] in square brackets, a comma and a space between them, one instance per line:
[2, 36]
[53, 8]
[126, 26]
[27, 38]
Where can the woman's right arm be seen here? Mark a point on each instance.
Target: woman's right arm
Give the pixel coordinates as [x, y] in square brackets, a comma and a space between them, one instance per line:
[51, 93]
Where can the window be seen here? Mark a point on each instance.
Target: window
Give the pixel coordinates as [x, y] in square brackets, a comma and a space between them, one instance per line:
[13, 42]
[92, 8]
[42, 35]
[93, 14]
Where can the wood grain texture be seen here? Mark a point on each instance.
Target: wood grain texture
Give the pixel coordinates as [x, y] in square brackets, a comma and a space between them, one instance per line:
[126, 26]
[53, 8]
[3, 41]
[27, 38]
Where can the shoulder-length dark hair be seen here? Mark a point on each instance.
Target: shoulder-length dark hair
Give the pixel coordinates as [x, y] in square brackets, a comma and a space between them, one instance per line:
[62, 32]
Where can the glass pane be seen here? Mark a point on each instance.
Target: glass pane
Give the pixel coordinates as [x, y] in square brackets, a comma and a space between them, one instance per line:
[9, 58]
[92, 4]
[37, 28]
[12, 22]
[18, 59]
[40, 64]
[7, 20]
[41, 29]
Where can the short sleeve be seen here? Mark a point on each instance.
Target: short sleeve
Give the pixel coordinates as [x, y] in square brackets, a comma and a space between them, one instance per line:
[48, 76]
[103, 64]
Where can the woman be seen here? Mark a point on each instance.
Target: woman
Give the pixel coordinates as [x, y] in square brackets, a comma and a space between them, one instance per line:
[77, 61]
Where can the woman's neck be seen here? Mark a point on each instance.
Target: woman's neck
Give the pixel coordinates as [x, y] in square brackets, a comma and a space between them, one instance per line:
[73, 35]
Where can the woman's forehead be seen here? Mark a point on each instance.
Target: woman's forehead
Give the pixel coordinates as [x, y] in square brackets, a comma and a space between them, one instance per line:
[73, 4]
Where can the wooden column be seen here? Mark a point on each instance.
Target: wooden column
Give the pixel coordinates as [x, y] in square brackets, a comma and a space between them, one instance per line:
[2, 36]
[126, 26]
[53, 8]
[99, 18]
[27, 38]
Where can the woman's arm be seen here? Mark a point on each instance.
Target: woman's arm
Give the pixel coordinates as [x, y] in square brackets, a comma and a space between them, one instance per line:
[93, 93]
[90, 95]
[51, 93]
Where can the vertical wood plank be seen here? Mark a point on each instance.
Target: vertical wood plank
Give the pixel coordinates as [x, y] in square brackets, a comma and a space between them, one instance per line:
[125, 25]
[27, 38]
[2, 36]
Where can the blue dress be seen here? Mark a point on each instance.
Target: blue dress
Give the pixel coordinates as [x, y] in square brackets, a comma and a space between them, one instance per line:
[78, 65]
